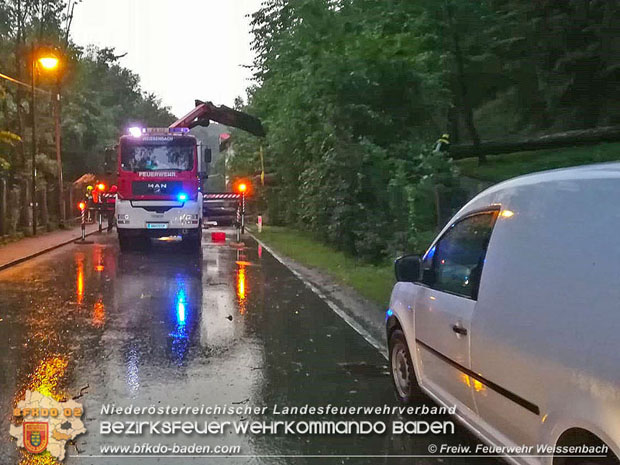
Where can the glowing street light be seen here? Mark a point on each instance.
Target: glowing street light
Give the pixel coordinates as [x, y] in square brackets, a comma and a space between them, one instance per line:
[242, 188]
[48, 62]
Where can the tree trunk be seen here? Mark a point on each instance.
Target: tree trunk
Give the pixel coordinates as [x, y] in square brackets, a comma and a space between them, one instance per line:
[453, 124]
[468, 112]
[42, 208]
[19, 93]
[25, 217]
[14, 210]
[550, 141]
[3, 207]
[71, 203]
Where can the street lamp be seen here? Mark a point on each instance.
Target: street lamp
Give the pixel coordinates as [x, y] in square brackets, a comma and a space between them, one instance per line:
[49, 63]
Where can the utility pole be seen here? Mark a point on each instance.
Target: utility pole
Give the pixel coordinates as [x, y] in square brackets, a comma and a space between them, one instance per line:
[61, 203]
[33, 189]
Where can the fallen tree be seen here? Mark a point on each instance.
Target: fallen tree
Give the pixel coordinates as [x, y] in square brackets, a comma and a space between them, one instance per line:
[550, 141]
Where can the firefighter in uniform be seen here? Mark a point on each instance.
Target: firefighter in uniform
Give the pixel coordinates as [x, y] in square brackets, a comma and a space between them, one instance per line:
[442, 144]
[109, 199]
[88, 197]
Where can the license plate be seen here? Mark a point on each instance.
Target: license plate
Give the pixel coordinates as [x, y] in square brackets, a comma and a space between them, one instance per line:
[157, 225]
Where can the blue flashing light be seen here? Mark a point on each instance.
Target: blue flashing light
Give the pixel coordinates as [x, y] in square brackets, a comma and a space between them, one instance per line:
[182, 197]
[135, 131]
[181, 312]
[180, 334]
[178, 130]
[389, 313]
[181, 307]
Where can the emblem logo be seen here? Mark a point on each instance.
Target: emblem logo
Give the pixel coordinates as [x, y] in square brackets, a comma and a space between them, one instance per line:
[45, 424]
[158, 187]
[36, 435]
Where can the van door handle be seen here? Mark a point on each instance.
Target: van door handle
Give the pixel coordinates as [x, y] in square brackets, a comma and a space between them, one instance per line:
[459, 330]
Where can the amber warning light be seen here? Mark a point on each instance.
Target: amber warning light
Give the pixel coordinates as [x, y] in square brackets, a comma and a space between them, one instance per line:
[242, 187]
[82, 206]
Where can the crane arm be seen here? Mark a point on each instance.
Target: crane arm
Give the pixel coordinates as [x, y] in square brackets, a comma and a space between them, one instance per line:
[206, 111]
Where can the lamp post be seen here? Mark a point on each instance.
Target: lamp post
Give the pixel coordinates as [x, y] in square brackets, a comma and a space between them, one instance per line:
[242, 189]
[61, 203]
[48, 62]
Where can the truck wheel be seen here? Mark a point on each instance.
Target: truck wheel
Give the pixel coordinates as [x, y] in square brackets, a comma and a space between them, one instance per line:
[144, 243]
[401, 366]
[125, 243]
[193, 241]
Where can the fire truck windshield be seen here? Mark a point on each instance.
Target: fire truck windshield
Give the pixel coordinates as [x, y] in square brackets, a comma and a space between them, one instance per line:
[142, 156]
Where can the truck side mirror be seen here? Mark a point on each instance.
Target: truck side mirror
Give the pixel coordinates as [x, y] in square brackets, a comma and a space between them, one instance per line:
[205, 159]
[109, 160]
[407, 268]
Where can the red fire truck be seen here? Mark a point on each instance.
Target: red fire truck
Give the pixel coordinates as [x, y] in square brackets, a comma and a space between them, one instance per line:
[160, 173]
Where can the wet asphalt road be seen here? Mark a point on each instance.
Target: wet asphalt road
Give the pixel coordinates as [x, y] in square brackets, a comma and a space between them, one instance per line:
[231, 326]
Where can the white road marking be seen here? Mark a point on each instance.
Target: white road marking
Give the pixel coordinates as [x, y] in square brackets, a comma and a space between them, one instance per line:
[335, 308]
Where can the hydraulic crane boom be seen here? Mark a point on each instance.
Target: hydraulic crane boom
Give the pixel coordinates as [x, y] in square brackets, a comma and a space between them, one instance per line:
[206, 111]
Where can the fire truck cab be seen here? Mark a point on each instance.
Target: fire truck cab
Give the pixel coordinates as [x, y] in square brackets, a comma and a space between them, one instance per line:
[159, 187]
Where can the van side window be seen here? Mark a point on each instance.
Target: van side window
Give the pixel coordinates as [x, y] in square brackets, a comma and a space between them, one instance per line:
[455, 264]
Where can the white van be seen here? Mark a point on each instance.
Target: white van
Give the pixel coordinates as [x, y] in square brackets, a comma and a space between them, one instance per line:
[513, 315]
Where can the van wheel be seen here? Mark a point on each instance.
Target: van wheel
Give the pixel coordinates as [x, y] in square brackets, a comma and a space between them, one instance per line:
[401, 366]
[602, 461]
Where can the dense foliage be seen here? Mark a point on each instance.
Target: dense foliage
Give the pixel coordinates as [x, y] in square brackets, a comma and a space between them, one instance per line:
[353, 92]
[99, 99]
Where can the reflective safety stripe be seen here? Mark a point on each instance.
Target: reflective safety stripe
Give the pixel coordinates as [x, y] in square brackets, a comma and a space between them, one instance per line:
[221, 196]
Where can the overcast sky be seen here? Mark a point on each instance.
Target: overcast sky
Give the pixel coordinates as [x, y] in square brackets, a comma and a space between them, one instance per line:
[182, 49]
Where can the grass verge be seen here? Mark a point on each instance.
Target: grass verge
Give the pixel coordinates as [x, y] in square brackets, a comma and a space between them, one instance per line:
[502, 167]
[373, 282]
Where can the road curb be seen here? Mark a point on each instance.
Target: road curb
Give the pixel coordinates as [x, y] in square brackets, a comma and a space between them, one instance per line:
[41, 252]
[342, 313]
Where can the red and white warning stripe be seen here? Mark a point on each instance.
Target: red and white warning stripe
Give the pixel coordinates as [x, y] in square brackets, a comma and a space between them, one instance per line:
[227, 195]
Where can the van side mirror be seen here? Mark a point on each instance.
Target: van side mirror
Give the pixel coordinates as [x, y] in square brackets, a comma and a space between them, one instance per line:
[407, 268]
